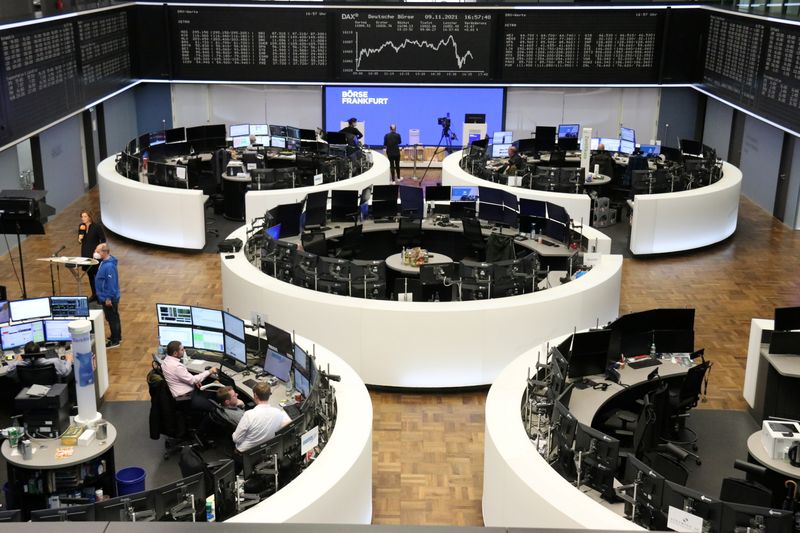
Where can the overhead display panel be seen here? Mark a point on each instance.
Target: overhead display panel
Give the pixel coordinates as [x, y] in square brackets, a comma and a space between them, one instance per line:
[104, 51]
[581, 46]
[733, 54]
[779, 93]
[415, 46]
[249, 44]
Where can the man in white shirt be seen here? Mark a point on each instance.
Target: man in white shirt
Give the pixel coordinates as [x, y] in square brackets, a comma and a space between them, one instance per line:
[182, 383]
[259, 424]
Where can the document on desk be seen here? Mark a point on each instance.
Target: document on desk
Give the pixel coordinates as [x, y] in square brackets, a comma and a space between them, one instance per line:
[680, 520]
[38, 390]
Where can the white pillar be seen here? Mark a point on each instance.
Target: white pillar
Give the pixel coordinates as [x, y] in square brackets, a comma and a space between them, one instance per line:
[81, 330]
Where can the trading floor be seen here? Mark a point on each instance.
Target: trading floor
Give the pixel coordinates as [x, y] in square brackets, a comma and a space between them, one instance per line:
[428, 448]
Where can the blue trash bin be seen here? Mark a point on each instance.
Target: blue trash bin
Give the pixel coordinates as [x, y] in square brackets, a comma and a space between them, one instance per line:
[130, 480]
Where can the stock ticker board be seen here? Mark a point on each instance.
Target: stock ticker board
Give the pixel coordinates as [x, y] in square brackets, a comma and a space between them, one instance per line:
[415, 46]
[250, 44]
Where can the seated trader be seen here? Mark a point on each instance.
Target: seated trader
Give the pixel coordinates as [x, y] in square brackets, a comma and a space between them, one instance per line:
[33, 356]
[515, 162]
[232, 406]
[182, 384]
[260, 423]
[603, 160]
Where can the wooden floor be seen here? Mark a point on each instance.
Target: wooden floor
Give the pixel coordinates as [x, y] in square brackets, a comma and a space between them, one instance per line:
[428, 448]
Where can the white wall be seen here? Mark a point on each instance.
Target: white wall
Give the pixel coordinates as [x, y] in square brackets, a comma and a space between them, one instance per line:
[761, 157]
[62, 162]
[120, 119]
[717, 128]
[602, 109]
[197, 104]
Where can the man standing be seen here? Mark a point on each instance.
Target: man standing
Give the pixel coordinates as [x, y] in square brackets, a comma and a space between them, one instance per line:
[107, 285]
[392, 142]
[260, 423]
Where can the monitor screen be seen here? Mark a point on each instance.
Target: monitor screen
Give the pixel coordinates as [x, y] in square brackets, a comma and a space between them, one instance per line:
[786, 318]
[167, 334]
[627, 134]
[69, 306]
[502, 137]
[463, 194]
[235, 349]
[626, 147]
[437, 193]
[277, 130]
[259, 129]
[5, 315]
[71, 513]
[490, 195]
[650, 150]
[30, 308]
[500, 150]
[174, 314]
[176, 135]
[263, 140]
[158, 137]
[207, 318]
[241, 142]
[204, 339]
[292, 133]
[610, 144]
[119, 509]
[545, 138]
[301, 383]
[277, 364]
[308, 135]
[595, 141]
[300, 358]
[526, 146]
[238, 130]
[233, 325]
[689, 146]
[278, 142]
[57, 331]
[491, 212]
[177, 496]
[568, 131]
[19, 335]
[274, 232]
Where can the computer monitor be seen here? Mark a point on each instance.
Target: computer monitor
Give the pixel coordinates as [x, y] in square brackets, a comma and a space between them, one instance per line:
[475, 270]
[474, 118]
[68, 306]
[383, 210]
[480, 143]
[13, 515]
[650, 150]
[223, 485]
[502, 137]
[568, 131]
[234, 326]
[241, 142]
[57, 331]
[649, 491]
[300, 358]
[209, 340]
[787, 318]
[691, 147]
[301, 383]
[175, 135]
[292, 132]
[166, 334]
[563, 427]
[490, 195]
[5, 313]
[432, 274]
[138, 507]
[545, 138]
[463, 194]
[277, 364]
[491, 213]
[277, 141]
[385, 193]
[273, 232]
[535, 208]
[73, 513]
[526, 146]
[610, 144]
[238, 130]
[174, 314]
[599, 455]
[594, 142]
[556, 231]
[459, 210]
[288, 216]
[181, 499]
[437, 193]
[258, 460]
[277, 130]
[626, 147]
[500, 150]
[627, 134]
[18, 335]
[207, 318]
[756, 518]
[279, 339]
[235, 349]
[308, 135]
[589, 353]
[29, 309]
[693, 502]
[316, 209]
[259, 129]
[344, 205]
[263, 140]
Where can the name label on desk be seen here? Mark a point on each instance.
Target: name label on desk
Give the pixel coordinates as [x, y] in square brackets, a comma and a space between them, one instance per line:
[309, 440]
[680, 520]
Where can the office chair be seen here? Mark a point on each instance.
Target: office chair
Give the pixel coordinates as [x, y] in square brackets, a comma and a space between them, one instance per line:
[499, 248]
[683, 399]
[33, 374]
[409, 233]
[350, 242]
[749, 492]
[474, 236]
[210, 221]
[167, 417]
[670, 468]
[315, 242]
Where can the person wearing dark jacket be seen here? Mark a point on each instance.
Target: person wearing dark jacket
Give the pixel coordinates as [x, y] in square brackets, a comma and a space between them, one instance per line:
[90, 234]
[392, 142]
[108, 292]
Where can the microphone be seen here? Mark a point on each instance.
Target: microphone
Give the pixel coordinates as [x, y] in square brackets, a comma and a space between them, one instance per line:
[56, 254]
[82, 229]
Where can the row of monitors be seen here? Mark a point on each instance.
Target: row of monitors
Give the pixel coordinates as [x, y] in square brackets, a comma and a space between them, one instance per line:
[15, 336]
[563, 137]
[200, 317]
[267, 130]
[274, 141]
[787, 319]
[46, 307]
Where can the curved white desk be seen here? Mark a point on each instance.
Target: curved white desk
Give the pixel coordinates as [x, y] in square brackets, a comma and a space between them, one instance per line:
[150, 213]
[256, 203]
[423, 344]
[337, 487]
[520, 489]
[677, 221]
[578, 206]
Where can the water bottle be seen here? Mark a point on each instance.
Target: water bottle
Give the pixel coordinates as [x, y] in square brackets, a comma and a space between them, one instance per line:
[653, 350]
[210, 517]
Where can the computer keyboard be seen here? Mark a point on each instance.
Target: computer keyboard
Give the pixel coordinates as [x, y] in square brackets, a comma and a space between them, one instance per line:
[644, 363]
[251, 383]
[292, 410]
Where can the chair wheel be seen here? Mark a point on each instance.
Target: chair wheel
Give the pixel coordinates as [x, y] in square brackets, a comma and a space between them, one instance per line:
[698, 462]
[694, 447]
[166, 456]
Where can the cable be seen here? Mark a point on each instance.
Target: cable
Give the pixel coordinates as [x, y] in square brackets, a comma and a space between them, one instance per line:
[13, 267]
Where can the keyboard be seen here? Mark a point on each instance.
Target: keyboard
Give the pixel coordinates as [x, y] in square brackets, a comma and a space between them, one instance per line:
[292, 410]
[251, 383]
[644, 363]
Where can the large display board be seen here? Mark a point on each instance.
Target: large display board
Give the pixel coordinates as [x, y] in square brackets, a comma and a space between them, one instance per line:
[415, 46]
[249, 44]
[584, 47]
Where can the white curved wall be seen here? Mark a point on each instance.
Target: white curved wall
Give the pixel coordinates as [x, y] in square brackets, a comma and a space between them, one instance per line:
[420, 344]
[677, 221]
[256, 203]
[520, 489]
[337, 487]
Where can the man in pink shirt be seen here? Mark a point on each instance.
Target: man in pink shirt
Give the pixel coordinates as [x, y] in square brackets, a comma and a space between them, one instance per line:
[183, 384]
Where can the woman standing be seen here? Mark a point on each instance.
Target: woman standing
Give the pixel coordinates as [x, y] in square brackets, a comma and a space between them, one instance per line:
[90, 235]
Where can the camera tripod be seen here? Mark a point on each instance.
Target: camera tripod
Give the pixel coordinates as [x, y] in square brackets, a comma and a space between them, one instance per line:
[448, 137]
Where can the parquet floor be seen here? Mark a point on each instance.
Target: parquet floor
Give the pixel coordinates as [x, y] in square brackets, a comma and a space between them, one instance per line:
[428, 448]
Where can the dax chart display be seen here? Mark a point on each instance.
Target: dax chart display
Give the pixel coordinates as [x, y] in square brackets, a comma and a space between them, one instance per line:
[415, 46]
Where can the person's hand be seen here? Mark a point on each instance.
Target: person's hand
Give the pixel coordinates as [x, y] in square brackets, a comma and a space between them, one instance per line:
[80, 238]
[239, 403]
[107, 303]
[213, 370]
[69, 357]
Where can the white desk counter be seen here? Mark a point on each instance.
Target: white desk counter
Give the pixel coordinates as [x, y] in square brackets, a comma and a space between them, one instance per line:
[337, 487]
[256, 203]
[153, 214]
[685, 220]
[578, 206]
[520, 489]
[424, 344]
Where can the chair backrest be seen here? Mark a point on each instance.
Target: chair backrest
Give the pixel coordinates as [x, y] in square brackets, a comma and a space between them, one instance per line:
[409, 228]
[351, 237]
[736, 490]
[693, 383]
[472, 230]
[36, 375]
[670, 468]
[315, 243]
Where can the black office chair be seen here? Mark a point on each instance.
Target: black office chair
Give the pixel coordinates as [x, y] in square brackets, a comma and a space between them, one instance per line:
[409, 233]
[682, 400]
[350, 242]
[499, 248]
[315, 242]
[33, 374]
[167, 417]
[746, 491]
[669, 467]
[474, 236]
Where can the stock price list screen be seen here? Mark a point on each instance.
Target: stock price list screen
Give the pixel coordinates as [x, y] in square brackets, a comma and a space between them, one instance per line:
[733, 54]
[779, 94]
[415, 46]
[581, 46]
[104, 54]
[258, 44]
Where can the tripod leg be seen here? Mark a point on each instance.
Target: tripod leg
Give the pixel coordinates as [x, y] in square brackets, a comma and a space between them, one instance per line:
[436, 151]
